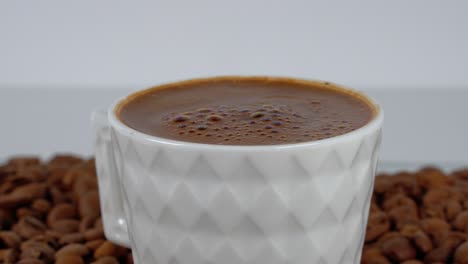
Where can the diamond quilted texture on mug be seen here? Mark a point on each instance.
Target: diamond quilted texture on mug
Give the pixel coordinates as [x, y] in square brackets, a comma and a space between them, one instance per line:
[306, 205]
[270, 254]
[269, 212]
[185, 205]
[246, 182]
[330, 176]
[248, 238]
[187, 252]
[228, 212]
[226, 254]
[206, 233]
[203, 179]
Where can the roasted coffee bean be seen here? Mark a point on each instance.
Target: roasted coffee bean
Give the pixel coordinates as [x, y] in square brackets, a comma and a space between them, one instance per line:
[373, 256]
[86, 223]
[106, 260]
[41, 205]
[58, 196]
[66, 226]
[109, 249]
[30, 261]
[436, 228]
[23, 212]
[418, 237]
[89, 205]
[69, 259]
[378, 223]
[37, 250]
[64, 161]
[61, 211]
[461, 254]
[72, 249]
[398, 249]
[8, 256]
[71, 238]
[94, 244]
[23, 194]
[29, 227]
[9, 239]
[93, 234]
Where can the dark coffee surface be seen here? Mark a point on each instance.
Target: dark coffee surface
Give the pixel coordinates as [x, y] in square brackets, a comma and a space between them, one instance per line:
[245, 111]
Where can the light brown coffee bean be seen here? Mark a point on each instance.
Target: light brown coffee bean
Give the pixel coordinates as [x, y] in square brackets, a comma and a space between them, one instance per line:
[72, 249]
[66, 226]
[57, 195]
[418, 237]
[62, 160]
[437, 229]
[8, 256]
[398, 249]
[71, 238]
[41, 205]
[461, 254]
[109, 249]
[98, 223]
[372, 255]
[37, 250]
[61, 211]
[86, 223]
[84, 185]
[28, 227]
[23, 161]
[75, 172]
[48, 237]
[461, 221]
[377, 225]
[24, 211]
[89, 205]
[23, 194]
[106, 260]
[69, 259]
[9, 239]
[440, 254]
[93, 234]
[413, 261]
[94, 244]
[430, 178]
[452, 209]
[30, 261]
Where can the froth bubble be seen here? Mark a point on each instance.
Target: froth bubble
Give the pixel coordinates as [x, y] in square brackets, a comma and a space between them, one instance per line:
[214, 118]
[204, 110]
[202, 127]
[181, 118]
[257, 114]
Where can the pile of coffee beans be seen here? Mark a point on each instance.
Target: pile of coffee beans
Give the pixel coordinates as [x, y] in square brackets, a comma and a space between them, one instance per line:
[419, 217]
[49, 213]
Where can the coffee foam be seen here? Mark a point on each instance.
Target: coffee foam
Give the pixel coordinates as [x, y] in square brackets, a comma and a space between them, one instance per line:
[277, 123]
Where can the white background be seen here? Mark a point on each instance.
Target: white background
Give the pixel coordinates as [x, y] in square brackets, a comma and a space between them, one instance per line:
[59, 60]
[372, 43]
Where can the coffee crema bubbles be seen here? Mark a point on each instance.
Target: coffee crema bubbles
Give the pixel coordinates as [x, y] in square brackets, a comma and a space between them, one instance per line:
[230, 123]
[245, 111]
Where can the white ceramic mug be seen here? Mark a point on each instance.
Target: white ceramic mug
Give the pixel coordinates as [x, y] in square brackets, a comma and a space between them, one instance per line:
[189, 203]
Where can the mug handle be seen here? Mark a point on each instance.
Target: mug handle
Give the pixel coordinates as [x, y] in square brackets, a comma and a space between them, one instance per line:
[115, 224]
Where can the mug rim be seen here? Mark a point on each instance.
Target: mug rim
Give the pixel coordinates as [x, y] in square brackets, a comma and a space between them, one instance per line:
[373, 124]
